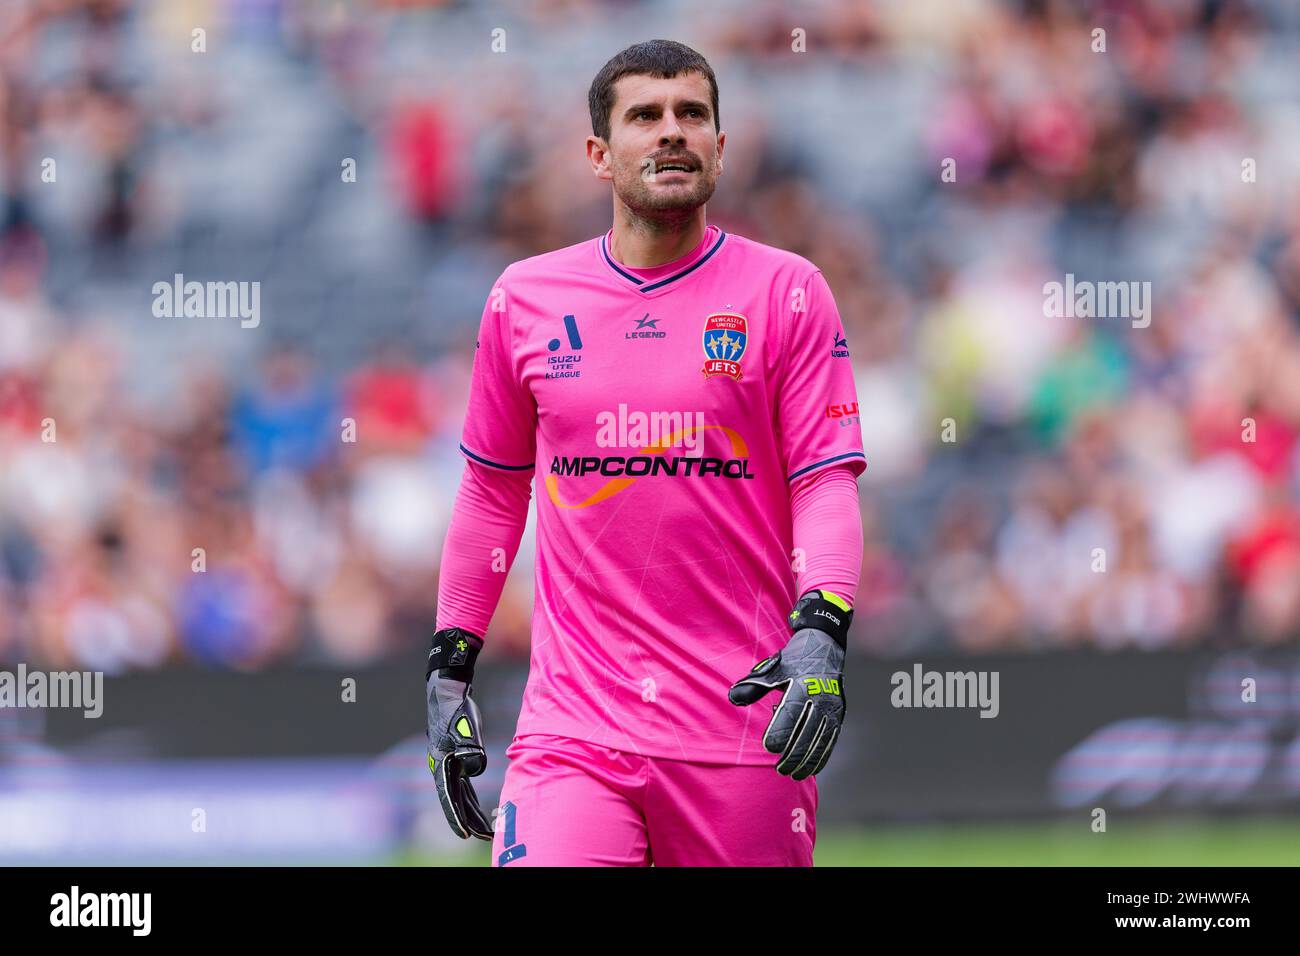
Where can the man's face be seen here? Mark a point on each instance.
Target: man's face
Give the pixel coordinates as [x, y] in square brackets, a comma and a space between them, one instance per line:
[658, 123]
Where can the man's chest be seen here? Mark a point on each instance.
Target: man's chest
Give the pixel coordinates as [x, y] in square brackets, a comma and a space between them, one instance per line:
[622, 363]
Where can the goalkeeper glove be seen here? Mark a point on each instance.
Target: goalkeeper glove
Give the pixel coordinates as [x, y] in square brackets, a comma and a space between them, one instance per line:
[455, 745]
[810, 668]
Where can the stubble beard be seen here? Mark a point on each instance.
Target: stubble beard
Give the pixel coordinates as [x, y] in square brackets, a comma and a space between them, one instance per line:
[656, 204]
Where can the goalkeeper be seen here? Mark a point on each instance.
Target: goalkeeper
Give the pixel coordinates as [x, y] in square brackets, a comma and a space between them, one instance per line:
[685, 399]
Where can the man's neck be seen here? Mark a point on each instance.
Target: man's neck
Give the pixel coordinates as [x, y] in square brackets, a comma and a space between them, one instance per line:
[643, 244]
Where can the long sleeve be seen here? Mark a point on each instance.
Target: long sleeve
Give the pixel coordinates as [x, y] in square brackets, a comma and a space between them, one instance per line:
[491, 507]
[827, 521]
[501, 418]
[816, 395]
[487, 523]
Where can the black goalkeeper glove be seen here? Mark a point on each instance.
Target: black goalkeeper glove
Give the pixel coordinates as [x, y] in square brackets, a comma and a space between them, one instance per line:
[810, 668]
[455, 744]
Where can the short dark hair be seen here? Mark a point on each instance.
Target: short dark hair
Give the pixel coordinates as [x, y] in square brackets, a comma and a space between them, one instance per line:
[661, 58]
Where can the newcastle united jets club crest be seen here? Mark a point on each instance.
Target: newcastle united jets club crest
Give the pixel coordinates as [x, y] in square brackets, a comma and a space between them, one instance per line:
[725, 335]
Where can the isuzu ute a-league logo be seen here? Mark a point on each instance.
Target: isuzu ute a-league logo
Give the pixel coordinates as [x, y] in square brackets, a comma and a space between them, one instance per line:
[725, 335]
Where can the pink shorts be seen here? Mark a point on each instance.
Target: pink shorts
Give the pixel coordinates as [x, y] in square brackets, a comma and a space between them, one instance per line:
[567, 802]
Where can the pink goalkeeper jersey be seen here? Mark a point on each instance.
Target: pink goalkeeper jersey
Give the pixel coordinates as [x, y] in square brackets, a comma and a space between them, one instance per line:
[665, 418]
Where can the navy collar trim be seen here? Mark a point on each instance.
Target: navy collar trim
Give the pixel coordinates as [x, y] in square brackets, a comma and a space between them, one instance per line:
[641, 284]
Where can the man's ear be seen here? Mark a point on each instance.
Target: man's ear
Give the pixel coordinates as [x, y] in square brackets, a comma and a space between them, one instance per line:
[598, 147]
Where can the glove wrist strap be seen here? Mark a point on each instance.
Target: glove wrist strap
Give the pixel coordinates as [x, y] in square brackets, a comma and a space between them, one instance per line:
[453, 653]
[823, 611]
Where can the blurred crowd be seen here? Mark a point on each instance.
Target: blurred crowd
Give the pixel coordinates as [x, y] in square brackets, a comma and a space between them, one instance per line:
[178, 491]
